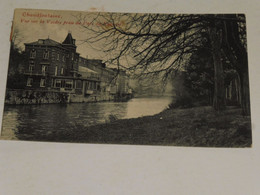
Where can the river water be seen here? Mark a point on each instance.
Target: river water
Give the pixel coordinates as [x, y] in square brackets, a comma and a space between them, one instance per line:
[58, 117]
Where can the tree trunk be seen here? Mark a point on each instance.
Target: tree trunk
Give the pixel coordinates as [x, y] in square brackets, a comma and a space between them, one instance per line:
[238, 89]
[236, 50]
[245, 97]
[219, 89]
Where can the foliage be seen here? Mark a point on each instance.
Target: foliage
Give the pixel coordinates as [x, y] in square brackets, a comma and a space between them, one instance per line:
[16, 78]
[199, 74]
[184, 101]
[200, 126]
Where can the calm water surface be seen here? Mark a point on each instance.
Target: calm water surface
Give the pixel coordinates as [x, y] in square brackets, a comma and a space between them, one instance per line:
[60, 117]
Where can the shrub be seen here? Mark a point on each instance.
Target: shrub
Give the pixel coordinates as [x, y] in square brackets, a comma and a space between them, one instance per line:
[182, 102]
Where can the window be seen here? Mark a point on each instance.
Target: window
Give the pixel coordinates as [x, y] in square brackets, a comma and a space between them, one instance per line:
[58, 56]
[63, 58]
[94, 85]
[31, 67]
[46, 55]
[62, 71]
[72, 56]
[78, 84]
[33, 54]
[68, 84]
[57, 83]
[98, 87]
[44, 69]
[87, 85]
[56, 70]
[29, 82]
[79, 59]
[42, 83]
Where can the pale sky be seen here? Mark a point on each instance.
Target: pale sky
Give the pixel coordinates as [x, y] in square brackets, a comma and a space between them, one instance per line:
[30, 32]
[57, 24]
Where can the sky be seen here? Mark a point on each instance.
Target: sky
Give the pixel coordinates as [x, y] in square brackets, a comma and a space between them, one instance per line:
[34, 24]
[41, 24]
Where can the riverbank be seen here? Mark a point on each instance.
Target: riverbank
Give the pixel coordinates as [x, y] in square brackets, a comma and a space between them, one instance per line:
[198, 126]
[36, 97]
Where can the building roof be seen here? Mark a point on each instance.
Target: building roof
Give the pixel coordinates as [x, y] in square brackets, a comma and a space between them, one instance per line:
[46, 42]
[92, 61]
[83, 69]
[69, 40]
[49, 42]
[86, 72]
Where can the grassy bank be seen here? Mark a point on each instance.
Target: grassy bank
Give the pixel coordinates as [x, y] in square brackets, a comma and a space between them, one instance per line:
[198, 126]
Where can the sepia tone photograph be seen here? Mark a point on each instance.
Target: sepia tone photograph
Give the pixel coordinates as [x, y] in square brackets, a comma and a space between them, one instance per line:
[128, 78]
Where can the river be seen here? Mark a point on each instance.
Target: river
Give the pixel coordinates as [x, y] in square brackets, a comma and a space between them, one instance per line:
[29, 118]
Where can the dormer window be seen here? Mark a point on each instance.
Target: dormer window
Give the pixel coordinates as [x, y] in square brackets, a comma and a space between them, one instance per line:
[33, 53]
[46, 54]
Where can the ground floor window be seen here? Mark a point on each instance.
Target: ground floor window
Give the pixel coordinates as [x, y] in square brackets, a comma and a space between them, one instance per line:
[43, 83]
[29, 82]
[62, 83]
[92, 85]
[98, 87]
[69, 84]
[78, 84]
[87, 85]
[57, 83]
[95, 85]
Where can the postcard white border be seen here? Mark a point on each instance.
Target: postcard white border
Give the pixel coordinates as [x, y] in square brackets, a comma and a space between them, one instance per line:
[56, 168]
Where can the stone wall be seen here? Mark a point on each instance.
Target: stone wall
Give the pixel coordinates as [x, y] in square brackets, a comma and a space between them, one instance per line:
[35, 97]
[19, 96]
[91, 98]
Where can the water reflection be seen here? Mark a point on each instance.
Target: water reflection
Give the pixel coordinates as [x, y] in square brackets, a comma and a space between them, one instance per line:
[146, 106]
[34, 119]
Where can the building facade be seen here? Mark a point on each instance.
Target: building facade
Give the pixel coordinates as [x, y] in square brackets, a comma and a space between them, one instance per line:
[54, 66]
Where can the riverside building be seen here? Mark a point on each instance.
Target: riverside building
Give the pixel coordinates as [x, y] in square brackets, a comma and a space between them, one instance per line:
[54, 66]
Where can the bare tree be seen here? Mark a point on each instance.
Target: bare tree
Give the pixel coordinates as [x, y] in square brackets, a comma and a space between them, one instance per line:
[15, 39]
[151, 44]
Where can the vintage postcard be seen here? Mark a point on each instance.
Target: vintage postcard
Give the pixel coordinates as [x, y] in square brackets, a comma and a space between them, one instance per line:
[128, 78]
